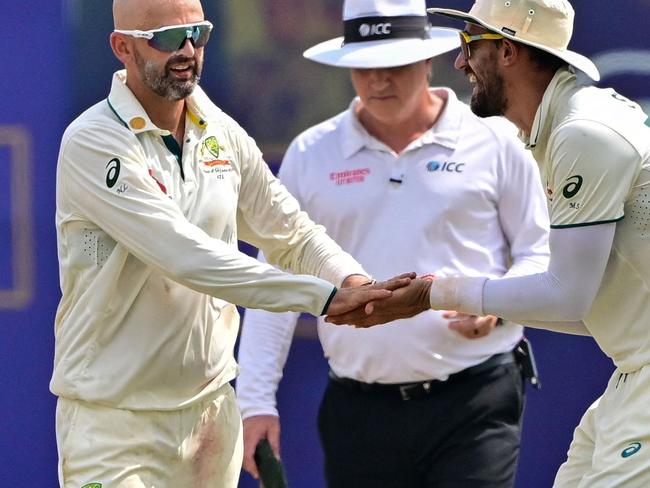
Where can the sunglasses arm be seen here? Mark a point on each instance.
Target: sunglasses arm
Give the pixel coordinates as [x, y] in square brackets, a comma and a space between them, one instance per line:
[135, 33]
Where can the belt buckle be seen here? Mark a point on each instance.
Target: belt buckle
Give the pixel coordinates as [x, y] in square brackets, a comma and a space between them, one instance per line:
[404, 392]
[404, 389]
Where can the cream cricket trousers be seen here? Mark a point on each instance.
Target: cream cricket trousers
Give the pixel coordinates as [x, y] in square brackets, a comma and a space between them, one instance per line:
[197, 447]
[611, 445]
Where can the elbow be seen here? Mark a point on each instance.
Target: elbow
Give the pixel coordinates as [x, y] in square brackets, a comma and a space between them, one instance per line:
[574, 310]
[182, 270]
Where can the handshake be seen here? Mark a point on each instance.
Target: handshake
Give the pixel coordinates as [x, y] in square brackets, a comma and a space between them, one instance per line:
[364, 304]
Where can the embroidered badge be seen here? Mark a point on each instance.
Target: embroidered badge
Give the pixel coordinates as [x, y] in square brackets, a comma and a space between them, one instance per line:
[349, 176]
[212, 146]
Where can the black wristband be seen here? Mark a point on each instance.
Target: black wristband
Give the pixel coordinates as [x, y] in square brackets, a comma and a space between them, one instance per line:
[329, 300]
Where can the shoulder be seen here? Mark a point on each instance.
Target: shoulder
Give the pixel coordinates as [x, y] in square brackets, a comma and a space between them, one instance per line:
[323, 134]
[313, 148]
[583, 134]
[601, 114]
[217, 120]
[96, 129]
[494, 134]
[498, 129]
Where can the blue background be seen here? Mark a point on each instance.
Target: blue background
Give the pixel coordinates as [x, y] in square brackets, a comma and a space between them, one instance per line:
[61, 64]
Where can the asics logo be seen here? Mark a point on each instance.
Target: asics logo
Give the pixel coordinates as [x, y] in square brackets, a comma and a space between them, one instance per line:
[630, 450]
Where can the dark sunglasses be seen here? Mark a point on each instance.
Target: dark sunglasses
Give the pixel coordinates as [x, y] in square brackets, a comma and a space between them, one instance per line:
[173, 37]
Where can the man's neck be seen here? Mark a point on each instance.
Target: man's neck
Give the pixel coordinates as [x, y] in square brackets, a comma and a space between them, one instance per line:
[165, 114]
[398, 134]
[524, 98]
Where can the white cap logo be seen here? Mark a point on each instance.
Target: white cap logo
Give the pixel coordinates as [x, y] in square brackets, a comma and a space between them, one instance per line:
[375, 29]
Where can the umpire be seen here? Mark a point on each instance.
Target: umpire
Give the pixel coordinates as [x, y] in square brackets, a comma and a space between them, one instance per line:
[407, 178]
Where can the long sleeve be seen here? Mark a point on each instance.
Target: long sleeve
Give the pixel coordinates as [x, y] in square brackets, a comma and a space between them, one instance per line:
[153, 228]
[263, 350]
[522, 212]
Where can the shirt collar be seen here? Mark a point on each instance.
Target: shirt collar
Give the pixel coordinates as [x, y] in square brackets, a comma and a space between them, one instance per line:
[444, 132]
[546, 109]
[130, 112]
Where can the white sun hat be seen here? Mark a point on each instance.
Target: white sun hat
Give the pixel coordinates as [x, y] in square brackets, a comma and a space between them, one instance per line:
[384, 34]
[544, 24]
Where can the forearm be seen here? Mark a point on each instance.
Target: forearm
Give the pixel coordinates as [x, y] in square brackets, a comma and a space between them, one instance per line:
[263, 350]
[564, 293]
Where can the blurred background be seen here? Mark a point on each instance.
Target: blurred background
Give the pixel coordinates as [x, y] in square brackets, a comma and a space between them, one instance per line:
[253, 70]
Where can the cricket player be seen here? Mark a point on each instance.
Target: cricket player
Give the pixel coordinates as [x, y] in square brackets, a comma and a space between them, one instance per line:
[593, 149]
[154, 187]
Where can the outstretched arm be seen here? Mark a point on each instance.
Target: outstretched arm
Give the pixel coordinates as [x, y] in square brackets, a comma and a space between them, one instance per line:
[564, 293]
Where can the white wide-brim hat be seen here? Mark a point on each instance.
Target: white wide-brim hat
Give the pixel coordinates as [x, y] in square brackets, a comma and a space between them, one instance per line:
[384, 34]
[544, 24]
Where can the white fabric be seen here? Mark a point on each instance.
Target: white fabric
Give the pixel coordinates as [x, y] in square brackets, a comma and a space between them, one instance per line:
[609, 447]
[570, 274]
[599, 136]
[462, 207]
[388, 52]
[458, 291]
[383, 53]
[149, 263]
[198, 446]
[353, 9]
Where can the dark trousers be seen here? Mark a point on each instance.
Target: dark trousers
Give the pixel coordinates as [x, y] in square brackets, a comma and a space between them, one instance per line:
[464, 434]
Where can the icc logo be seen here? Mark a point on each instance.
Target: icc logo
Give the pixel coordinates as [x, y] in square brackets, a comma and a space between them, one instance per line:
[448, 166]
[375, 29]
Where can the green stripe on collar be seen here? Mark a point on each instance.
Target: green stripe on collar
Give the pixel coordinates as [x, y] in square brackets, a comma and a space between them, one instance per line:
[176, 150]
[116, 114]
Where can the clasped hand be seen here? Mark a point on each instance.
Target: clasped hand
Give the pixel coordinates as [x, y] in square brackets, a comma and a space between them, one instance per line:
[408, 297]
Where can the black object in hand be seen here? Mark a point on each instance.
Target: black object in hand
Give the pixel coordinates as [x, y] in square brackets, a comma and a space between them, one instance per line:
[270, 468]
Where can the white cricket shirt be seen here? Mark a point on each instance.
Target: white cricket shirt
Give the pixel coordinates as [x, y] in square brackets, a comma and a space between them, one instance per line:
[149, 266]
[594, 155]
[464, 198]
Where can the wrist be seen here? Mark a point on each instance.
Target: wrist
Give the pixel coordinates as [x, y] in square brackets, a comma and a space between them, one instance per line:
[459, 293]
[425, 292]
[356, 280]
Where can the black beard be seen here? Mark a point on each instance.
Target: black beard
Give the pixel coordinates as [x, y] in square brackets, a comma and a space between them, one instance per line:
[489, 100]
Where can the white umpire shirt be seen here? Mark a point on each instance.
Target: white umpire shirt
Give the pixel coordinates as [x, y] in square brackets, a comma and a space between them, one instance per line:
[464, 198]
[149, 266]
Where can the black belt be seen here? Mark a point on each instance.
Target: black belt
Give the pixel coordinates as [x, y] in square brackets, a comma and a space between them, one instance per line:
[409, 391]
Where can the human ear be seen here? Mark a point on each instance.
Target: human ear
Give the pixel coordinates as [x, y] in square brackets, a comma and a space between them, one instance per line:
[122, 49]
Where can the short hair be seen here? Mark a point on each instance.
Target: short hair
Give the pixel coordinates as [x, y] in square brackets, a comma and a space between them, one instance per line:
[543, 59]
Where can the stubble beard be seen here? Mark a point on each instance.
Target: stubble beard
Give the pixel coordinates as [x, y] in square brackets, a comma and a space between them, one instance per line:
[161, 81]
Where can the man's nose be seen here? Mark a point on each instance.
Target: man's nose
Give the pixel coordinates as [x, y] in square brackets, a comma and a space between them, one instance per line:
[460, 62]
[379, 76]
[187, 49]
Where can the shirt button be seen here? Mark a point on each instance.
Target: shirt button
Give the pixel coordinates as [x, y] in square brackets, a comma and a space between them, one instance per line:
[137, 123]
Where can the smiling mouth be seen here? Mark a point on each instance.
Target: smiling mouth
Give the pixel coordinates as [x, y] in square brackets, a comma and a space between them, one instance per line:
[471, 77]
[183, 71]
